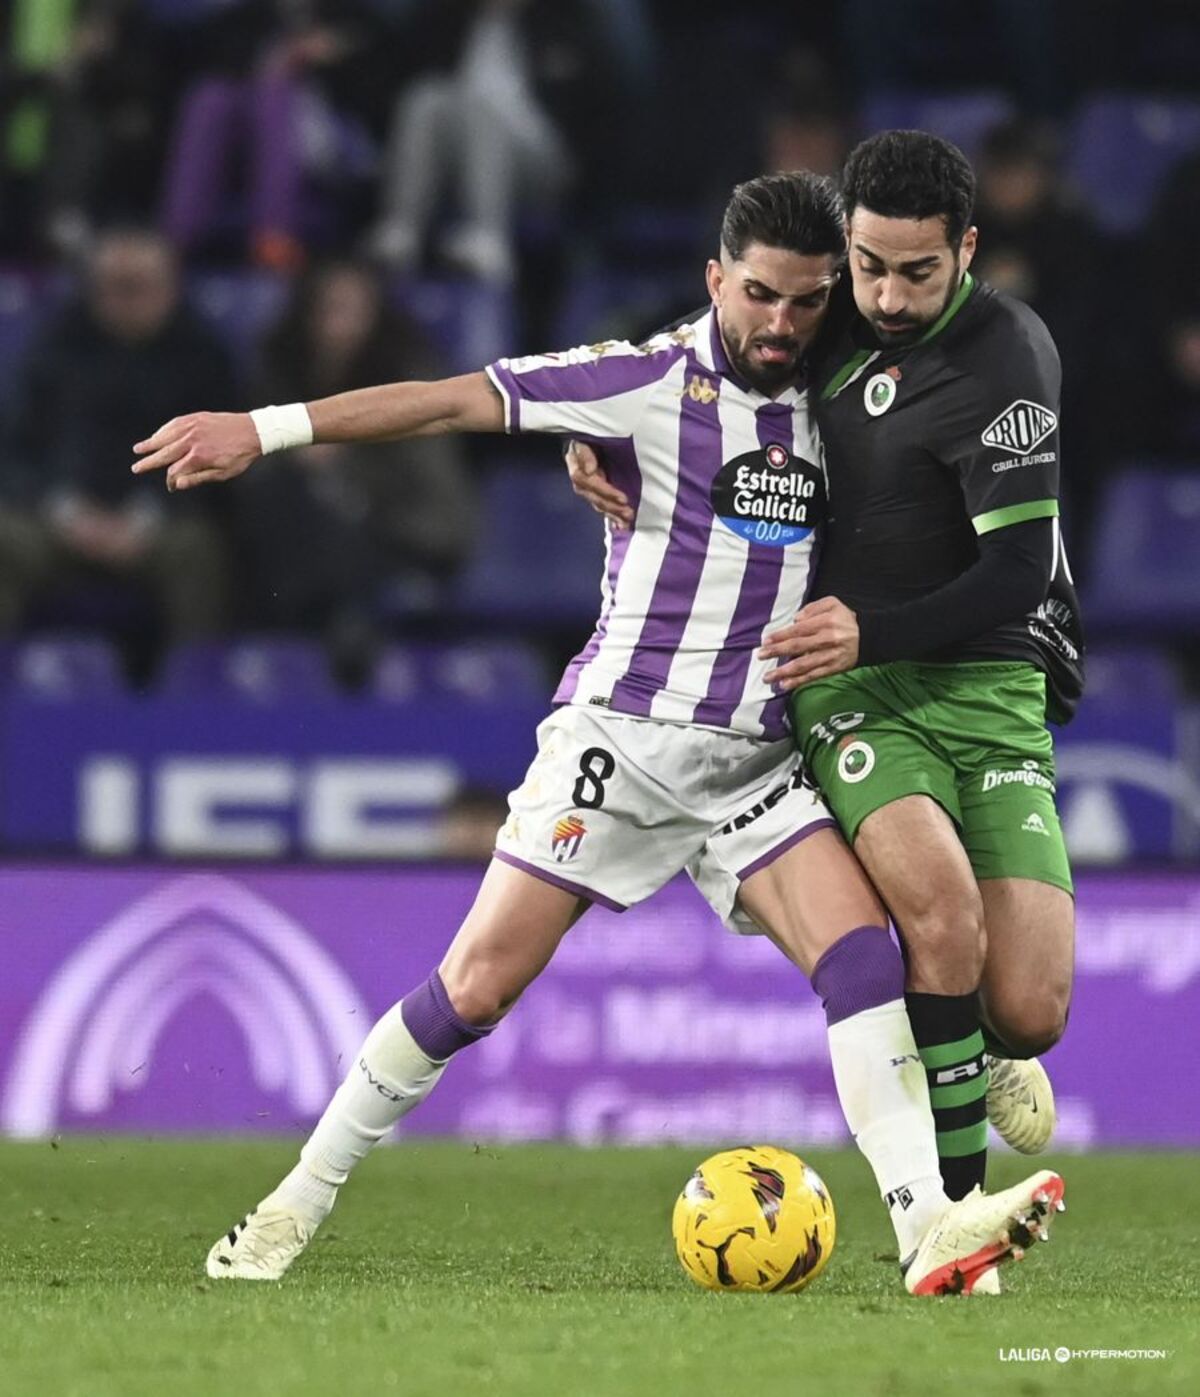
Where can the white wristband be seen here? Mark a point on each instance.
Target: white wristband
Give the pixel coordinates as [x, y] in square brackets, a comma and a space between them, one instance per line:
[280, 428]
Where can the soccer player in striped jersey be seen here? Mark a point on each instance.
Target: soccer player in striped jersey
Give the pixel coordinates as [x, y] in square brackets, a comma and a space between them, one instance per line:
[665, 749]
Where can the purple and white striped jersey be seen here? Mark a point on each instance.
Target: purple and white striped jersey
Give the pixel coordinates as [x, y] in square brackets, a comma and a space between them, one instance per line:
[728, 486]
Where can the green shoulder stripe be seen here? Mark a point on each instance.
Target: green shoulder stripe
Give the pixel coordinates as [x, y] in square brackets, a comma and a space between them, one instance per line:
[1015, 514]
[864, 356]
[845, 373]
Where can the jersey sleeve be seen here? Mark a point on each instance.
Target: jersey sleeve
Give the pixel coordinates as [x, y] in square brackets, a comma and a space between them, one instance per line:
[596, 391]
[1004, 430]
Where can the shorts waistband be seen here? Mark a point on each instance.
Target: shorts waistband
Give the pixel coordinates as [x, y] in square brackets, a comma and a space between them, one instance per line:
[976, 666]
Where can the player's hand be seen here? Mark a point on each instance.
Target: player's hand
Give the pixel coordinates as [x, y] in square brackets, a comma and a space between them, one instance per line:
[199, 448]
[822, 640]
[590, 483]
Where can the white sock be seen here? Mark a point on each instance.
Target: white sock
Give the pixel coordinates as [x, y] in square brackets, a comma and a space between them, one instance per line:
[390, 1077]
[882, 1086]
[305, 1194]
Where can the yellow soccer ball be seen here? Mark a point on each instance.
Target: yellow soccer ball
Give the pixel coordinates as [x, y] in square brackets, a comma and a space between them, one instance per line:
[754, 1218]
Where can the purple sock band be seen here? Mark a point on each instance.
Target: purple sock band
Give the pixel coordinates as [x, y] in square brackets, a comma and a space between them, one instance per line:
[861, 971]
[431, 1019]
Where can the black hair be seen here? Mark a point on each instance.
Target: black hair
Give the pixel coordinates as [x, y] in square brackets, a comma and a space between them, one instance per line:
[797, 211]
[911, 174]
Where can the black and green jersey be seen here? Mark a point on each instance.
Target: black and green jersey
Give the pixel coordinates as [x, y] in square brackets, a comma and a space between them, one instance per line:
[931, 446]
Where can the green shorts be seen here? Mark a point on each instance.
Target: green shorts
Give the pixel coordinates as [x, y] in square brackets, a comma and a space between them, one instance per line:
[972, 736]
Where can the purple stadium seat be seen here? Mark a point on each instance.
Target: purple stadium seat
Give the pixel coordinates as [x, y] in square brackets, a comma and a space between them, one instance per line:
[65, 667]
[470, 322]
[540, 558]
[660, 231]
[486, 670]
[1130, 674]
[241, 305]
[18, 316]
[1145, 548]
[482, 671]
[961, 117]
[397, 677]
[1122, 146]
[26, 299]
[621, 301]
[260, 669]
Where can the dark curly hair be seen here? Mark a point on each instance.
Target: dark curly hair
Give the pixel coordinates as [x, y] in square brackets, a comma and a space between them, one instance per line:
[911, 174]
[797, 211]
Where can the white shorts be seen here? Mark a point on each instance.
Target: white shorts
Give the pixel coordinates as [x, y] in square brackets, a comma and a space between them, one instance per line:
[613, 807]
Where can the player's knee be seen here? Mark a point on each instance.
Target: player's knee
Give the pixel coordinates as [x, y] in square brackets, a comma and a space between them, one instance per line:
[946, 942]
[1030, 1025]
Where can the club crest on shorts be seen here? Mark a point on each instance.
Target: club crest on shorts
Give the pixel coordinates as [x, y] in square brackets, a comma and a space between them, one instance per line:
[856, 761]
[567, 837]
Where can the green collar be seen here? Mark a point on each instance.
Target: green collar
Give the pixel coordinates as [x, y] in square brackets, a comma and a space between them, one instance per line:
[960, 300]
[852, 365]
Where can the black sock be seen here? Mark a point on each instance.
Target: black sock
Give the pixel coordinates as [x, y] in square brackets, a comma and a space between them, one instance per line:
[948, 1037]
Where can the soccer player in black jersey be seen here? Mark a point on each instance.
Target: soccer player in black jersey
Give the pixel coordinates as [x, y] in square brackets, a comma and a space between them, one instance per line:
[944, 631]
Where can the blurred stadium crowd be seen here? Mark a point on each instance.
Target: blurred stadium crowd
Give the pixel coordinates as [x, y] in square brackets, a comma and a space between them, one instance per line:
[222, 203]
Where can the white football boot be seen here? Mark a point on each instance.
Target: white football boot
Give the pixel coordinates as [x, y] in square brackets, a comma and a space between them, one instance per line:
[261, 1247]
[1020, 1103]
[980, 1232]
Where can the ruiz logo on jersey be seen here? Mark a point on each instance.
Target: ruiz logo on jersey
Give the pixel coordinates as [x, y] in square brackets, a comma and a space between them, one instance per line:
[1020, 427]
[769, 496]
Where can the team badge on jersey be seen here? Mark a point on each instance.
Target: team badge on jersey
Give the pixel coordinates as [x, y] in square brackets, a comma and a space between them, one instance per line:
[567, 837]
[769, 496]
[879, 394]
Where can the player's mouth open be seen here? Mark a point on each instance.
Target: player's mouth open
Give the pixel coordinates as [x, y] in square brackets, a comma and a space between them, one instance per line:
[776, 353]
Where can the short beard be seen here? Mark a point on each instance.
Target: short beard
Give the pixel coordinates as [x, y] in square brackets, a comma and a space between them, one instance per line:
[767, 379]
[898, 339]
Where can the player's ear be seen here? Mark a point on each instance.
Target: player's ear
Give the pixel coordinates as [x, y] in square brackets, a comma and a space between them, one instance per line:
[967, 247]
[714, 276]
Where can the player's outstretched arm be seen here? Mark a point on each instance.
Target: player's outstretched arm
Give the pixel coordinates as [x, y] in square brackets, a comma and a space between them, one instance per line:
[210, 446]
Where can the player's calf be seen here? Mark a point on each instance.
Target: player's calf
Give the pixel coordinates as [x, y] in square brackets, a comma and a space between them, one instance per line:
[398, 1066]
[510, 933]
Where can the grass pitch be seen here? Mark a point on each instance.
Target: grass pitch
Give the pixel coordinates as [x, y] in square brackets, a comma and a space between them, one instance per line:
[550, 1270]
